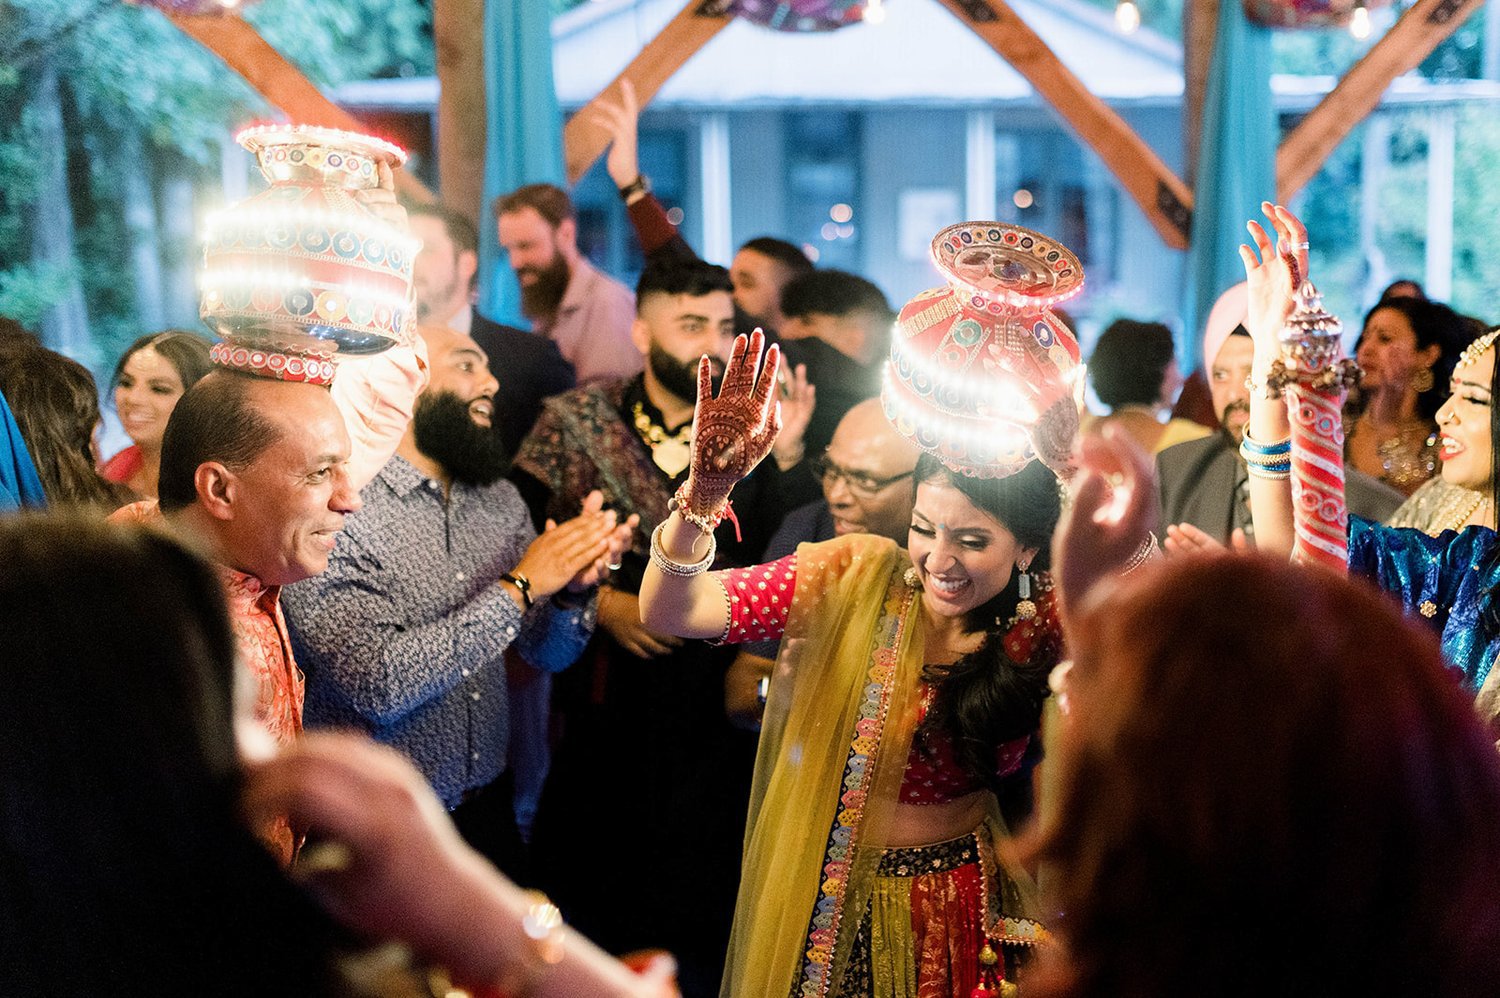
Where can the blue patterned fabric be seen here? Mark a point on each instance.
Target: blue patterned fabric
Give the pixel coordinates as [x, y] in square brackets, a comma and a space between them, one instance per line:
[19, 485]
[1443, 580]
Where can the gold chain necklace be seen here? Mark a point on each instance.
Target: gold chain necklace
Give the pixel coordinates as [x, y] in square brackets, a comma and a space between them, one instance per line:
[670, 452]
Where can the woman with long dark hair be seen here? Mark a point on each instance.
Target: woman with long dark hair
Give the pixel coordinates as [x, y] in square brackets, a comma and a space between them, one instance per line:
[1406, 351]
[904, 704]
[56, 406]
[151, 375]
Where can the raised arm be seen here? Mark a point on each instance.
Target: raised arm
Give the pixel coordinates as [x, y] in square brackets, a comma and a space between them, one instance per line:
[731, 434]
[1273, 271]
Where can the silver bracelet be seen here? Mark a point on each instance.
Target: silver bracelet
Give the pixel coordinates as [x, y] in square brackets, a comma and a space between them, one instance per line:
[668, 566]
[1146, 552]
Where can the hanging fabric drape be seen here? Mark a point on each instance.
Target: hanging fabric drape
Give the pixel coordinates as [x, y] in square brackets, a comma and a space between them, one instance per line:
[523, 142]
[1236, 167]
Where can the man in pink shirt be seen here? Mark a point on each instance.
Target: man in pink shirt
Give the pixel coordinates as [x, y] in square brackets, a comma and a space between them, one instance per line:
[585, 312]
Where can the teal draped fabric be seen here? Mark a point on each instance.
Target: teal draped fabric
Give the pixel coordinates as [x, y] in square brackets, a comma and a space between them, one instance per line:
[1236, 167]
[20, 488]
[524, 140]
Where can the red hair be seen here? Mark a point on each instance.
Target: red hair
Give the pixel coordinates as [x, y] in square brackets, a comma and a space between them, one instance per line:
[1270, 784]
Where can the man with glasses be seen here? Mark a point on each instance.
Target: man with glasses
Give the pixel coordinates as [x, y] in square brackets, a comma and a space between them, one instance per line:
[867, 488]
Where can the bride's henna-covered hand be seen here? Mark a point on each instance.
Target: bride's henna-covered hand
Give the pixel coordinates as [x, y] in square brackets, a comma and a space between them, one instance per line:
[734, 432]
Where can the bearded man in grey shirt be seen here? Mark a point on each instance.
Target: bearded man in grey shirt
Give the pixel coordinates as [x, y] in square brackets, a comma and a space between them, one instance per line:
[433, 581]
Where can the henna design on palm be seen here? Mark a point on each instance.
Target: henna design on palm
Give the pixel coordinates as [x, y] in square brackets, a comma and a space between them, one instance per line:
[733, 432]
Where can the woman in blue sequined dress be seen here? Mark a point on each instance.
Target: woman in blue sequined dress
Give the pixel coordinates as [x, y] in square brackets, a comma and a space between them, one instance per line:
[1450, 580]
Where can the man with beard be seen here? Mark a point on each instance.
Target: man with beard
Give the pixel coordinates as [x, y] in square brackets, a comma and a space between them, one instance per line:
[586, 313]
[637, 837]
[528, 367]
[1203, 482]
[435, 578]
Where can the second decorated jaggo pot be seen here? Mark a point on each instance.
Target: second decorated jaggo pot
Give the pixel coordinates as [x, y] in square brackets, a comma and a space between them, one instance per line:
[304, 272]
[982, 373]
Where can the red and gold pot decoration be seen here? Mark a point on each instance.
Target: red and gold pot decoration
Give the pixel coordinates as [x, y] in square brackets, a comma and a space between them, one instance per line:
[1306, 13]
[799, 15]
[304, 272]
[982, 373]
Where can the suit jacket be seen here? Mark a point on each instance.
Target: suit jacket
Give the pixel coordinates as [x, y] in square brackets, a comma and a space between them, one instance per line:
[1200, 483]
[529, 369]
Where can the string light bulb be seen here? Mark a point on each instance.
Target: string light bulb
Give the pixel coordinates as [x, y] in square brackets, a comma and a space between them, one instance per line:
[1359, 22]
[1127, 17]
[874, 12]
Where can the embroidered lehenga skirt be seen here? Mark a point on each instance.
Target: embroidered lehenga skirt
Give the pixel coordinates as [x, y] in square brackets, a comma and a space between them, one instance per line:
[932, 910]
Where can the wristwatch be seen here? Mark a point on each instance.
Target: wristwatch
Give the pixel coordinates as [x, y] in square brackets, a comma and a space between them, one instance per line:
[640, 185]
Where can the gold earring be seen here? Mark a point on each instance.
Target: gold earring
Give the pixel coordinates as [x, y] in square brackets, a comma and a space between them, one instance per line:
[1422, 380]
[912, 578]
[1025, 609]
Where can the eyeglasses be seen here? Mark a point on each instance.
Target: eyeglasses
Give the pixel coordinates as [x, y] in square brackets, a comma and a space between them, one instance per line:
[862, 484]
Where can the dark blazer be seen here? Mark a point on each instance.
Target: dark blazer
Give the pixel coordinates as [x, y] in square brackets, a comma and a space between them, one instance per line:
[1199, 480]
[529, 369]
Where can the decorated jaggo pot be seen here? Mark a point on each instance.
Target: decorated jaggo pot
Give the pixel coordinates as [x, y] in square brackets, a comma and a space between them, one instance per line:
[982, 374]
[304, 272]
[1306, 13]
[796, 15]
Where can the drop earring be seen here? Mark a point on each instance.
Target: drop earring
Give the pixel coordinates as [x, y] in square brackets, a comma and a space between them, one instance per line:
[1025, 608]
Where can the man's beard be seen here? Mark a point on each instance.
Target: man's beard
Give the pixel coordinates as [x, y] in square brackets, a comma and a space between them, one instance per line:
[1237, 431]
[680, 377]
[540, 298]
[446, 433]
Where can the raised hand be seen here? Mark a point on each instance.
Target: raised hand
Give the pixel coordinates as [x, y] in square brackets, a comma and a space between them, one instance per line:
[619, 542]
[734, 432]
[1113, 512]
[799, 397]
[620, 121]
[563, 552]
[1274, 272]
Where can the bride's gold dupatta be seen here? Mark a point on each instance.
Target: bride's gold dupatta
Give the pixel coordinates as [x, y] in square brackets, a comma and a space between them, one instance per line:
[833, 748]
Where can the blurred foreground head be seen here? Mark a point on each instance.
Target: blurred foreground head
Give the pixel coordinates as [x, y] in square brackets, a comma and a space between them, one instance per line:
[1269, 783]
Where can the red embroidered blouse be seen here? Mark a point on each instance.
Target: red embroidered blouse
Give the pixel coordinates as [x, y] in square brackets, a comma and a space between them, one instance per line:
[760, 600]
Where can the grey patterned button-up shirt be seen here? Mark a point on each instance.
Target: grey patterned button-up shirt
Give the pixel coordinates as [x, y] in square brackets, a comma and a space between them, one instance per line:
[404, 635]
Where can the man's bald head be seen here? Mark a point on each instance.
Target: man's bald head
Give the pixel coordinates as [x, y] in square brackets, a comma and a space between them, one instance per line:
[868, 485]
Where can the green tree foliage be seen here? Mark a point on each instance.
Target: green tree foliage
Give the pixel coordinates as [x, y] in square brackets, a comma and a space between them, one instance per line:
[130, 80]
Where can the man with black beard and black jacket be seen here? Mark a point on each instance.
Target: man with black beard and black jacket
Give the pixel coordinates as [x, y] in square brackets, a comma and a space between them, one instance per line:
[637, 836]
[434, 579]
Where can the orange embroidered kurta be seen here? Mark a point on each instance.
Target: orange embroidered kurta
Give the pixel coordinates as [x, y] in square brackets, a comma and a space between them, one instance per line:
[263, 651]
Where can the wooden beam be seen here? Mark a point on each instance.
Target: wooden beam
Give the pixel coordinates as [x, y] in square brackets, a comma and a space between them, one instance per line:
[461, 122]
[1410, 40]
[684, 35]
[1162, 196]
[1200, 29]
[234, 40]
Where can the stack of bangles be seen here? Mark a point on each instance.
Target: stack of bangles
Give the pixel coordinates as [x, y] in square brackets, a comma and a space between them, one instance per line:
[1272, 461]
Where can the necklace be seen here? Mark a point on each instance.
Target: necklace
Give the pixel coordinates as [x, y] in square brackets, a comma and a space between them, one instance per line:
[671, 452]
[1408, 457]
[1459, 514]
